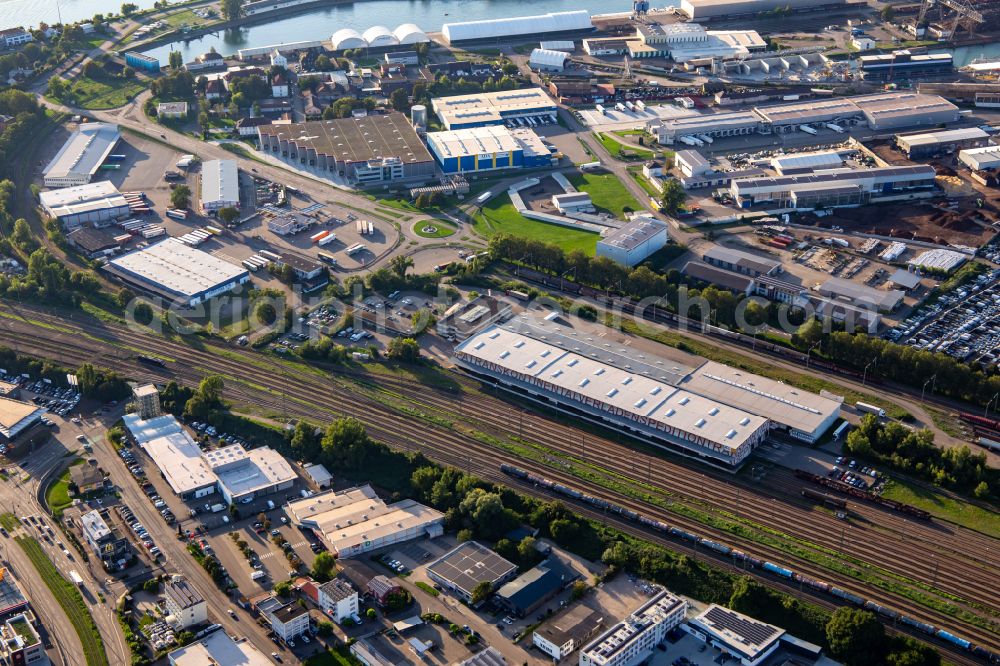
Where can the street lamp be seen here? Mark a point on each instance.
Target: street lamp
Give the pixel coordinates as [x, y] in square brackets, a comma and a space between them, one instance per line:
[988, 404]
[809, 351]
[864, 375]
[933, 382]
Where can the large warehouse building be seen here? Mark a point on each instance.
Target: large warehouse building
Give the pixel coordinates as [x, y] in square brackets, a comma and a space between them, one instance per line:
[16, 418]
[488, 148]
[903, 65]
[633, 242]
[555, 22]
[716, 9]
[492, 108]
[831, 189]
[178, 272]
[379, 148]
[220, 185]
[355, 521]
[82, 155]
[929, 144]
[95, 203]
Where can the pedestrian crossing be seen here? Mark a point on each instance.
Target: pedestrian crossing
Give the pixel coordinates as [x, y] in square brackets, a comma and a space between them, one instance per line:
[271, 553]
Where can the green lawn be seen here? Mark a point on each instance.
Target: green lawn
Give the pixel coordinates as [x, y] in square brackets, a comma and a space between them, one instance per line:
[105, 93]
[606, 191]
[427, 588]
[9, 521]
[615, 147]
[441, 229]
[67, 596]
[643, 183]
[57, 496]
[339, 657]
[499, 216]
[946, 508]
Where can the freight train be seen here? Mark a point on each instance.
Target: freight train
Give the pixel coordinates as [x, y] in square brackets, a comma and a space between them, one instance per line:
[151, 360]
[833, 484]
[832, 502]
[749, 561]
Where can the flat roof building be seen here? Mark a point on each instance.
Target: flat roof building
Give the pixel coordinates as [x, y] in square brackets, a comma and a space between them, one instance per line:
[843, 187]
[719, 277]
[82, 155]
[634, 639]
[633, 242]
[468, 565]
[927, 144]
[220, 185]
[552, 22]
[466, 318]
[17, 417]
[617, 389]
[711, 9]
[318, 474]
[749, 640]
[11, 598]
[355, 521]
[218, 648]
[561, 635]
[717, 125]
[892, 110]
[739, 261]
[243, 474]
[691, 163]
[178, 272]
[904, 65]
[488, 657]
[180, 462]
[94, 203]
[487, 148]
[523, 595]
[184, 605]
[492, 108]
[861, 295]
[372, 149]
[814, 161]
[978, 159]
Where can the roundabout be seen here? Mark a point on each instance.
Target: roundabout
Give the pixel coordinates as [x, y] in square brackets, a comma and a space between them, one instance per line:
[433, 229]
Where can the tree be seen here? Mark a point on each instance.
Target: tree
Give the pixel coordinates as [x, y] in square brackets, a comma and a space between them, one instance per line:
[579, 589]
[982, 490]
[856, 637]
[323, 567]
[404, 349]
[400, 264]
[324, 628]
[175, 60]
[203, 120]
[809, 333]
[304, 441]
[673, 196]
[265, 312]
[464, 535]
[228, 215]
[527, 551]
[400, 100]
[206, 401]
[22, 237]
[232, 9]
[888, 13]
[129, 8]
[143, 313]
[124, 297]
[180, 196]
[371, 614]
[482, 591]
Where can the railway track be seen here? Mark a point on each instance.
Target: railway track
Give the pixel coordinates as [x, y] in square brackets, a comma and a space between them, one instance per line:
[441, 444]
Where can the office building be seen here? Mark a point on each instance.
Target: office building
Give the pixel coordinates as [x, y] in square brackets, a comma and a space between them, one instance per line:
[219, 648]
[831, 189]
[745, 638]
[374, 149]
[185, 607]
[98, 204]
[220, 185]
[488, 148]
[355, 521]
[560, 636]
[147, 399]
[81, 155]
[468, 565]
[178, 272]
[338, 599]
[466, 318]
[634, 639]
[634, 241]
[492, 108]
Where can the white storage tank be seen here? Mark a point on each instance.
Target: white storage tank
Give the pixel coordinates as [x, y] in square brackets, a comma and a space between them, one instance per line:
[418, 115]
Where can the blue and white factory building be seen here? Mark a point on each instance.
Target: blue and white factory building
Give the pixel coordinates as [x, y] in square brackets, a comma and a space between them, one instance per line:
[488, 149]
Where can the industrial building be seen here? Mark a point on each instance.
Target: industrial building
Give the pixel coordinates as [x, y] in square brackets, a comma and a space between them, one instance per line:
[691, 163]
[633, 242]
[11, 598]
[82, 155]
[466, 318]
[97, 203]
[562, 635]
[831, 189]
[931, 144]
[219, 648]
[492, 108]
[374, 149]
[243, 475]
[545, 60]
[896, 110]
[142, 61]
[979, 94]
[739, 261]
[786, 165]
[377, 37]
[553, 22]
[635, 638]
[526, 593]
[488, 148]
[93, 243]
[750, 641]
[719, 9]
[179, 460]
[715, 125]
[355, 521]
[682, 42]
[17, 418]
[184, 606]
[904, 65]
[734, 282]
[220, 185]
[642, 397]
[178, 272]
[861, 295]
[468, 565]
[978, 159]
[569, 203]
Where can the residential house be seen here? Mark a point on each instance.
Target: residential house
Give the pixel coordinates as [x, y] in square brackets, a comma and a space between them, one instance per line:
[86, 478]
[248, 126]
[338, 599]
[381, 588]
[289, 622]
[214, 89]
[278, 59]
[279, 86]
[15, 37]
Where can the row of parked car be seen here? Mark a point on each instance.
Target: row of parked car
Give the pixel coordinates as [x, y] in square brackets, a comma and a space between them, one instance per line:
[223, 437]
[141, 533]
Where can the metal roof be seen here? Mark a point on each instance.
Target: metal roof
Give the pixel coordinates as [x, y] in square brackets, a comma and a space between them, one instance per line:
[469, 564]
[633, 234]
[84, 152]
[518, 25]
[220, 181]
[491, 107]
[547, 58]
[78, 199]
[861, 294]
[16, 415]
[935, 138]
[351, 140]
[177, 268]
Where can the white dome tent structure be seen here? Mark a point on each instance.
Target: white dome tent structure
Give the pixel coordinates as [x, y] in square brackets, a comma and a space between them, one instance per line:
[346, 38]
[573, 21]
[379, 36]
[408, 33]
[548, 61]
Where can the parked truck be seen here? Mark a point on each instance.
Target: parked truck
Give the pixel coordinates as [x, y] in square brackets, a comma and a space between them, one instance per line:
[216, 508]
[808, 130]
[869, 409]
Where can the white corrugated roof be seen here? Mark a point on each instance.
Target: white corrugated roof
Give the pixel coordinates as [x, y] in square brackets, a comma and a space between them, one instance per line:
[84, 152]
[178, 268]
[518, 25]
[219, 181]
[547, 58]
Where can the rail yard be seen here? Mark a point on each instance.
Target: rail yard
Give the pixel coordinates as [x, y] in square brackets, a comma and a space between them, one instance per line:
[879, 547]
